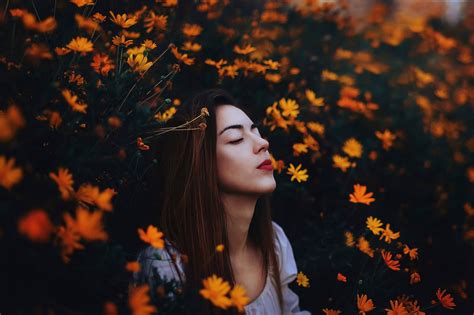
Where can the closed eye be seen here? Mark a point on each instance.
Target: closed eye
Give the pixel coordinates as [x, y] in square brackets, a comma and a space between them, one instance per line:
[236, 141]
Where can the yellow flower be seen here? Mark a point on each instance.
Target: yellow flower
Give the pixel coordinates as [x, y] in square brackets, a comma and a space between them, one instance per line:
[139, 300]
[359, 195]
[215, 290]
[341, 162]
[81, 44]
[302, 280]
[9, 174]
[311, 96]
[64, 181]
[220, 248]
[122, 20]
[139, 63]
[152, 236]
[353, 148]
[297, 173]
[289, 107]
[364, 305]
[238, 297]
[374, 225]
[136, 50]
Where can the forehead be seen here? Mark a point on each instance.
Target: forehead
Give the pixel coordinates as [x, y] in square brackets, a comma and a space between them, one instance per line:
[229, 115]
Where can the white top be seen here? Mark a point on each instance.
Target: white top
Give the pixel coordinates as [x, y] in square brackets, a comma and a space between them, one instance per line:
[266, 303]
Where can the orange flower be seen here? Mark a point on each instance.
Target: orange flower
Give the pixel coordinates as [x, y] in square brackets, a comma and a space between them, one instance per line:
[9, 174]
[386, 137]
[238, 297]
[353, 148]
[392, 264]
[388, 234]
[64, 181]
[153, 20]
[121, 40]
[69, 240]
[92, 195]
[182, 57]
[191, 30]
[446, 300]
[220, 248]
[413, 253]
[341, 277]
[102, 64]
[415, 278]
[139, 300]
[396, 309]
[87, 224]
[341, 162]
[36, 226]
[244, 50]
[122, 20]
[133, 266]
[81, 44]
[71, 99]
[81, 3]
[364, 305]
[327, 311]
[364, 246]
[152, 236]
[359, 195]
[215, 290]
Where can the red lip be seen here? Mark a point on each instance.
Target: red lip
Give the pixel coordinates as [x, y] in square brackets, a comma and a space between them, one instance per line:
[266, 163]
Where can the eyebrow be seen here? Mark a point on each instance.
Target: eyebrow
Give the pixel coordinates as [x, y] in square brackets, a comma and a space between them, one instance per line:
[237, 127]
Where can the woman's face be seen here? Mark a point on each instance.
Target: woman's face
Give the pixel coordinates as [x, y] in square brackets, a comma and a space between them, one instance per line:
[239, 151]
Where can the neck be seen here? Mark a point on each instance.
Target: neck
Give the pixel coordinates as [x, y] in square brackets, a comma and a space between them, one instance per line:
[239, 211]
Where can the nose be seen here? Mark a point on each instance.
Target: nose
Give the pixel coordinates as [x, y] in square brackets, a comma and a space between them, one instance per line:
[262, 144]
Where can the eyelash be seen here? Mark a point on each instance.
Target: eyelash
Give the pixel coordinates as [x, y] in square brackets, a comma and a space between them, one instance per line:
[237, 141]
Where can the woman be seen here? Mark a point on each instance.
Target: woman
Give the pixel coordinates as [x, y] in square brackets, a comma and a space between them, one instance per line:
[215, 179]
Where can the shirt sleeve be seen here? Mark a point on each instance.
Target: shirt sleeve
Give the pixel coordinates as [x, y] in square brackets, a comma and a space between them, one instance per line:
[288, 272]
[154, 259]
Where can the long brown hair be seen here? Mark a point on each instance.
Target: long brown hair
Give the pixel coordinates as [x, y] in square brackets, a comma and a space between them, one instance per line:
[191, 212]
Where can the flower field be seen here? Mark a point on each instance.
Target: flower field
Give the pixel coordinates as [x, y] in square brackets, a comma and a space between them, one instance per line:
[369, 112]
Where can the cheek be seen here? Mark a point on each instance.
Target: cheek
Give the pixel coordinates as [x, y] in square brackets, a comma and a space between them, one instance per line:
[233, 168]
